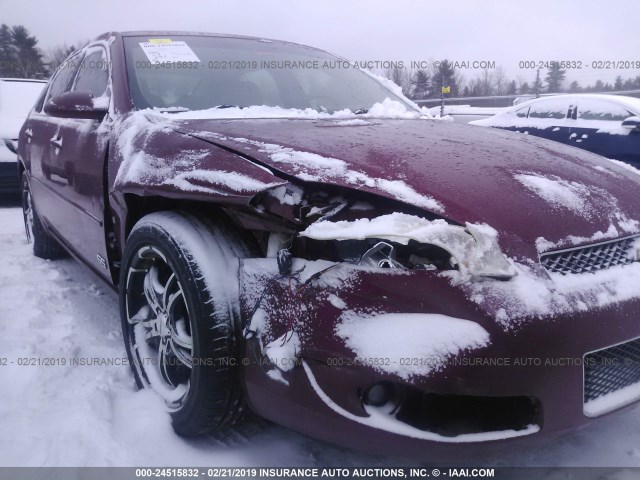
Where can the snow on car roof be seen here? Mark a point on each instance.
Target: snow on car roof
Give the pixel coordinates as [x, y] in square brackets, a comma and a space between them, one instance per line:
[631, 103]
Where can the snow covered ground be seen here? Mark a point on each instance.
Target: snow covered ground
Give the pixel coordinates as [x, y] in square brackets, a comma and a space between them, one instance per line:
[62, 415]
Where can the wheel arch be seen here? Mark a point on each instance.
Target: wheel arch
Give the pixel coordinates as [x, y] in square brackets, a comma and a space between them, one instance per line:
[129, 208]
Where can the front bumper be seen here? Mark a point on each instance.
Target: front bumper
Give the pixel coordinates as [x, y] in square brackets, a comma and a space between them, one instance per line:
[541, 359]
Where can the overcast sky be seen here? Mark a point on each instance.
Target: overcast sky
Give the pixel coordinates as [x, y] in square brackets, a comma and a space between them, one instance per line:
[464, 30]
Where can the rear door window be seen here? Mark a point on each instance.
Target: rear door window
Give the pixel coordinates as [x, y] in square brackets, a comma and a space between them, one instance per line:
[551, 109]
[601, 110]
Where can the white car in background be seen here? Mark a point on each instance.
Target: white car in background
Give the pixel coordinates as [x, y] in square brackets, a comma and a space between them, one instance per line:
[17, 96]
[608, 125]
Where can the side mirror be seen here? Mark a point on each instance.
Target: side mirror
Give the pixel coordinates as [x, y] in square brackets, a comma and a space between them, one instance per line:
[631, 123]
[76, 105]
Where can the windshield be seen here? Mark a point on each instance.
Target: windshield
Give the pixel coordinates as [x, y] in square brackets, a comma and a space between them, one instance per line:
[196, 73]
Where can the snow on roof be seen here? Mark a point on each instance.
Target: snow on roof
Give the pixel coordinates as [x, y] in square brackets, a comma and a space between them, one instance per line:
[631, 103]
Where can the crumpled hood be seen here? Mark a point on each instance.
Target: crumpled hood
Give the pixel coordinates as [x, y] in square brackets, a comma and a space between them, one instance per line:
[526, 188]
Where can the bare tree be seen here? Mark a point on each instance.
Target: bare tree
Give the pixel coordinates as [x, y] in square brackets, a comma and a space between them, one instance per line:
[58, 54]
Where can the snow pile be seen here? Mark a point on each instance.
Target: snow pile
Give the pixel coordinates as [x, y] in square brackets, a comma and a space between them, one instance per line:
[392, 337]
[312, 167]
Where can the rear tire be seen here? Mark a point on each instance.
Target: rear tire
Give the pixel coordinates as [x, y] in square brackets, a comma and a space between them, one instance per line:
[178, 304]
[44, 245]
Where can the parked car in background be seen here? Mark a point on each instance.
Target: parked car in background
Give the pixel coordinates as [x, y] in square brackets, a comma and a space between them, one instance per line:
[307, 244]
[17, 96]
[608, 125]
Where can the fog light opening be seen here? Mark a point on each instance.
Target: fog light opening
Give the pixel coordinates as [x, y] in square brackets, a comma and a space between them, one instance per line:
[379, 394]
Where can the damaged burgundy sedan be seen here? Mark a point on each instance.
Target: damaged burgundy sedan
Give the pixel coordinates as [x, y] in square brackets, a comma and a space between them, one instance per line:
[291, 236]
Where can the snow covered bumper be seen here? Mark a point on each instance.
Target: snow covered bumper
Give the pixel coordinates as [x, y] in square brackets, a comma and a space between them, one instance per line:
[419, 363]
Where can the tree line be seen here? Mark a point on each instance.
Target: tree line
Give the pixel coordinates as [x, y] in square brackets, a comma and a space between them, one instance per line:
[21, 57]
[427, 83]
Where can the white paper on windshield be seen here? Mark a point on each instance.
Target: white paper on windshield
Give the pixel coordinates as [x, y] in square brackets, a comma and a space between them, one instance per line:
[167, 51]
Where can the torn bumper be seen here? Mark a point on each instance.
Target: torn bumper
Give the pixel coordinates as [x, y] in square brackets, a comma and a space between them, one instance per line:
[524, 384]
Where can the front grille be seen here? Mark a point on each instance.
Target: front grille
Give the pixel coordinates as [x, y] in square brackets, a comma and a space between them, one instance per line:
[591, 258]
[609, 370]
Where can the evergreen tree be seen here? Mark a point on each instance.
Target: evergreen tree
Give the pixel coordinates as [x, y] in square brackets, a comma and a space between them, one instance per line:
[618, 84]
[537, 84]
[555, 77]
[524, 88]
[29, 62]
[574, 87]
[7, 52]
[512, 87]
[420, 85]
[445, 75]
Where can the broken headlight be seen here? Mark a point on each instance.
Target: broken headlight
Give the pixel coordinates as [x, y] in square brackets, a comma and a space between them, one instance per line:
[399, 240]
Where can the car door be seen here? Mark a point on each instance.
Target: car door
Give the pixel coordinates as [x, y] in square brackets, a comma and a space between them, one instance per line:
[550, 119]
[79, 147]
[42, 162]
[598, 128]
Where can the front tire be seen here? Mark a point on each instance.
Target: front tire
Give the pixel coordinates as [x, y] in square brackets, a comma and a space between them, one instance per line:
[178, 304]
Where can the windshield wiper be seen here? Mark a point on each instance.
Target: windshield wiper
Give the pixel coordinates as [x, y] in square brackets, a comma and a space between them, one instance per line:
[172, 109]
[361, 111]
[225, 105]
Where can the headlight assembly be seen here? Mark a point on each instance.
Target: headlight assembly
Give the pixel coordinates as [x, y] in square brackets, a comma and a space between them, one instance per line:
[398, 240]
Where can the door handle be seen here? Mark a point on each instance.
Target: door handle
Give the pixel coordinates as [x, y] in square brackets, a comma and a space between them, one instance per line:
[56, 142]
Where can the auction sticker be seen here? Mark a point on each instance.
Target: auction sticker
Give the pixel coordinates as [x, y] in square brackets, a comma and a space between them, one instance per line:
[163, 50]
